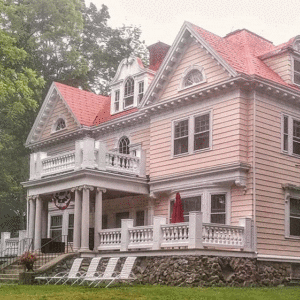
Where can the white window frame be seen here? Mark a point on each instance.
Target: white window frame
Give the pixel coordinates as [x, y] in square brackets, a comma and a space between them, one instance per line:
[65, 220]
[186, 72]
[117, 100]
[191, 133]
[205, 195]
[54, 125]
[288, 195]
[291, 120]
[293, 70]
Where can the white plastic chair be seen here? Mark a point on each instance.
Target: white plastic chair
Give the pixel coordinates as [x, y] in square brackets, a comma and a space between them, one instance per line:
[109, 270]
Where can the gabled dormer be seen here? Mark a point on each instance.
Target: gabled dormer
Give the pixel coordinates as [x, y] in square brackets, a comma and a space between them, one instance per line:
[129, 84]
[133, 79]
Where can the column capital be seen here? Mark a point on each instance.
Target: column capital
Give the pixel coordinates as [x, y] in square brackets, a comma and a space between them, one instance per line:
[33, 197]
[99, 189]
[82, 187]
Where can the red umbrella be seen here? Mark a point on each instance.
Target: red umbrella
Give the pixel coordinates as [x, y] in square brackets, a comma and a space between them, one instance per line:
[177, 215]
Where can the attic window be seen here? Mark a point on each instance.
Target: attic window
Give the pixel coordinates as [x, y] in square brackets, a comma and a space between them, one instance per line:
[192, 76]
[128, 92]
[296, 71]
[60, 124]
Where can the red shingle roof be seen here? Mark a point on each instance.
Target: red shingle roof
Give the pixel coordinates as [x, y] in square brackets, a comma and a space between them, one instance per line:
[241, 50]
[84, 105]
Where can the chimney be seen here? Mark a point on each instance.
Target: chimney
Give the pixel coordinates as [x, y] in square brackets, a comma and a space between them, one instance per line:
[158, 52]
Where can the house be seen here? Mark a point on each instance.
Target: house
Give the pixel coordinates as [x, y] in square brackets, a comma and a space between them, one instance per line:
[216, 119]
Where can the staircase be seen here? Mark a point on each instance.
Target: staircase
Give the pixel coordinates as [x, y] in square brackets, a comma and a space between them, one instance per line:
[10, 274]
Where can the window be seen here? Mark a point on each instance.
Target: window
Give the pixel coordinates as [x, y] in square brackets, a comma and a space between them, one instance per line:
[193, 75]
[141, 91]
[213, 203]
[124, 145]
[294, 218]
[188, 204]
[71, 227]
[56, 226]
[181, 137]
[117, 100]
[120, 216]
[104, 221]
[128, 92]
[140, 218]
[192, 134]
[296, 71]
[218, 211]
[290, 135]
[201, 132]
[192, 78]
[60, 124]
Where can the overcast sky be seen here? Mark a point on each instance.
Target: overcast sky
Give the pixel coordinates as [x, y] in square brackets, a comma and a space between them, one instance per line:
[160, 20]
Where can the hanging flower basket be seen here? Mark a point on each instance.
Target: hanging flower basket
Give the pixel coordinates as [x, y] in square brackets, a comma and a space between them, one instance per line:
[27, 259]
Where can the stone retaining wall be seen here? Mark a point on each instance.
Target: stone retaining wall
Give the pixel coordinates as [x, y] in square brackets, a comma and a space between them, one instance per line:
[210, 271]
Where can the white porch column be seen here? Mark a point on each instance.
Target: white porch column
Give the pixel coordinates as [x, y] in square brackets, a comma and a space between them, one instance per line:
[44, 219]
[150, 211]
[31, 218]
[38, 224]
[77, 220]
[195, 230]
[98, 217]
[85, 224]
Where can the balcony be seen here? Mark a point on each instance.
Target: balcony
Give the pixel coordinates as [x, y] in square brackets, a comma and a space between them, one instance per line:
[88, 154]
[192, 235]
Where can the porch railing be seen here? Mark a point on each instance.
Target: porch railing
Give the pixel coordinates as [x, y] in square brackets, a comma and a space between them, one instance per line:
[58, 163]
[122, 162]
[193, 234]
[89, 154]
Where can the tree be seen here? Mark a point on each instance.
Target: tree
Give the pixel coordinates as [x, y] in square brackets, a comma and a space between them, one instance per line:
[61, 40]
[19, 87]
[69, 42]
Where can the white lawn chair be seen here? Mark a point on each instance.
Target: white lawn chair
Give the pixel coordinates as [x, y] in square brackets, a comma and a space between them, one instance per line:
[126, 273]
[64, 276]
[108, 273]
[91, 272]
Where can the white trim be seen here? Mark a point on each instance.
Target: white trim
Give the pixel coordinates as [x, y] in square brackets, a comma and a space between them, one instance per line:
[278, 258]
[287, 196]
[293, 70]
[185, 73]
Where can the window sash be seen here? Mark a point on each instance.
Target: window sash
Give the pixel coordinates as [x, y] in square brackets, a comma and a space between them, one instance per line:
[218, 208]
[296, 71]
[188, 204]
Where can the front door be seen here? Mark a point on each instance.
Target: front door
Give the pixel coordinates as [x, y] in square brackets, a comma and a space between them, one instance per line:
[120, 216]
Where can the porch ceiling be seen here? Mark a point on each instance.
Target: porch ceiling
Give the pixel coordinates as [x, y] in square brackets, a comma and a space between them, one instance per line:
[113, 182]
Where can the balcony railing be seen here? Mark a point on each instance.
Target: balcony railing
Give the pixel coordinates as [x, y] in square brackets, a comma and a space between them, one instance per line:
[58, 163]
[88, 154]
[193, 235]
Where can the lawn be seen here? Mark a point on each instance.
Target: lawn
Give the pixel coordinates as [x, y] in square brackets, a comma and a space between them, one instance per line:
[25, 292]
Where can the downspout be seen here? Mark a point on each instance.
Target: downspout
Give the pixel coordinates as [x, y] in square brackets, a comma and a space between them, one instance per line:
[254, 171]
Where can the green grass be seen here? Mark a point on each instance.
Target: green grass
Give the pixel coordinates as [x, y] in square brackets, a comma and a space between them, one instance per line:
[29, 292]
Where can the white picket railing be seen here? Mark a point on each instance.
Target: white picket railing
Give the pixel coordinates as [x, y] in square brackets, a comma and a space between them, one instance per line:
[58, 163]
[223, 235]
[175, 235]
[122, 162]
[140, 237]
[110, 239]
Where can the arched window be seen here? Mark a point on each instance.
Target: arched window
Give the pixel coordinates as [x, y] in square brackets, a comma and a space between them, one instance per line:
[192, 77]
[128, 92]
[124, 145]
[60, 124]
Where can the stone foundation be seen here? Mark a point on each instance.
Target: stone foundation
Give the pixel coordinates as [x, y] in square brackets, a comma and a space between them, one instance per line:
[210, 271]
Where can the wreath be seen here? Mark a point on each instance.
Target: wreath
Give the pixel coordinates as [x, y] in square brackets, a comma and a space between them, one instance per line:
[62, 200]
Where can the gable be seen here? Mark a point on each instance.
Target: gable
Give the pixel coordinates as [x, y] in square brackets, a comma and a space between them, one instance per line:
[59, 111]
[194, 55]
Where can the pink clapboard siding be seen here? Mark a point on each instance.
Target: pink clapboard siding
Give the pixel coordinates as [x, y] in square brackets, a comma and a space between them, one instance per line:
[58, 110]
[194, 55]
[272, 169]
[229, 139]
[282, 65]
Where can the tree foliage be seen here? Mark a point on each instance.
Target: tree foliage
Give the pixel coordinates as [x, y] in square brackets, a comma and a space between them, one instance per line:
[42, 41]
